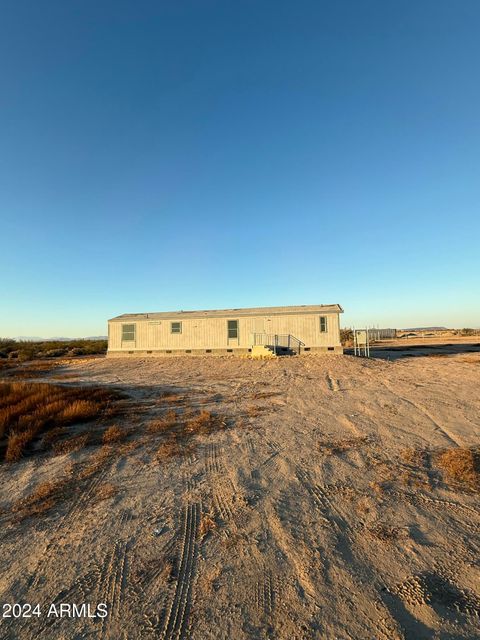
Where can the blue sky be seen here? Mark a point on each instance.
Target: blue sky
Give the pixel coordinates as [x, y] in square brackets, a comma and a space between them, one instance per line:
[181, 155]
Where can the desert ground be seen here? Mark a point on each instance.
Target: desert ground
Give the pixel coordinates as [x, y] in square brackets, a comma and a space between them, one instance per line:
[297, 498]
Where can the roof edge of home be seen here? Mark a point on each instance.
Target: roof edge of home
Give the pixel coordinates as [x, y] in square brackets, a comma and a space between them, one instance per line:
[231, 313]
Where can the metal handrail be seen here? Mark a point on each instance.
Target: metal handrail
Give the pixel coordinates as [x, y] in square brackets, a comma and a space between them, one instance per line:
[275, 340]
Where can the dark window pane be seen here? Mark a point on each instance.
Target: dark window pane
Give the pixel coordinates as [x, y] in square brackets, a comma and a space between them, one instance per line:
[232, 328]
[128, 332]
[176, 327]
[323, 324]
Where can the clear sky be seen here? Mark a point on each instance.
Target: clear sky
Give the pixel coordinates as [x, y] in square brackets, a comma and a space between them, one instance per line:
[209, 154]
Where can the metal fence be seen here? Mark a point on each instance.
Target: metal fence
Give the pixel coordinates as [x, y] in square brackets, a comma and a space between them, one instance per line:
[382, 334]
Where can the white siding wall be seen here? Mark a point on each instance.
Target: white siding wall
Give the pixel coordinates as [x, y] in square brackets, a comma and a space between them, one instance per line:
[211, 333]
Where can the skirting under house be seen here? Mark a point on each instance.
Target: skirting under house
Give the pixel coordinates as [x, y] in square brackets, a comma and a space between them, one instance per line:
[277, 330]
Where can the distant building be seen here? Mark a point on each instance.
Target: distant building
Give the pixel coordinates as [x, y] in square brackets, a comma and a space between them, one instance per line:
[283, 330]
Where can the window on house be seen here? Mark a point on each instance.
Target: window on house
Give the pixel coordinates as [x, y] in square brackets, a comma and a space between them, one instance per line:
[323, 324]
[128, 332]
[232, 328]
[175, 327]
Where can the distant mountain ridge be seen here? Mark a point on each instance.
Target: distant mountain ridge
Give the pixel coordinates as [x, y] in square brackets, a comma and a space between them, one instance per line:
[426, 329]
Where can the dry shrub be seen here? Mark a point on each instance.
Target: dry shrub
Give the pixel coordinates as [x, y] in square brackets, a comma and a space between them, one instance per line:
[416, 471]
[127, 448]
[199, 422]
[97, 462]
[204, 423]
[30, 370]
[168, 421]
[113, 434]
[364, 505]
[461, 466]
[379, 487]
[41, 500]
[207, 524]
[339, 446]
[29, 409]
[106, 491]
[253, 411]
[72, 444]
[346, 337]
[172, 398]
[386, 533]
[414, 457]
[16, 444]
[168, 450]
[179, 430]
[79, 410]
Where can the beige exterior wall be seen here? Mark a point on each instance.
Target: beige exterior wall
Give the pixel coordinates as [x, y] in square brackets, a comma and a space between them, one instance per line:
[211, 333]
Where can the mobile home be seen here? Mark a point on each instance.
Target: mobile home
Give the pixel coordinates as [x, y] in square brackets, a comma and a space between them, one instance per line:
[283, 330]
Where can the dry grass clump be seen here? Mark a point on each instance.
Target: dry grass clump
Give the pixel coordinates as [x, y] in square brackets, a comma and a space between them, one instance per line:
[207, 524]
[254, 410]
[40, 501]
[106, 491]
[28, 409]
[461, 466]
[127, 447]
[172, 397]
[102, 456]
[386, 532]
[12, 369]
[16, 444]
[168, 421]
[178, 430]
[416, 471]
[339, 446]
[168, 450]
[379, 487]
[113, 434]
[204, 423]
[346, 337]
[78, 410]
[71, 444]
[414, 457]
[97, 462]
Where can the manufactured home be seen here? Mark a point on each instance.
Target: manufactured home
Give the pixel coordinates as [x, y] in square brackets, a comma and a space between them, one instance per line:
[281, 330]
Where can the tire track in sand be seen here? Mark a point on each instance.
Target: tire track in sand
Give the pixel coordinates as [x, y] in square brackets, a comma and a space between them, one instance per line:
[176, 621]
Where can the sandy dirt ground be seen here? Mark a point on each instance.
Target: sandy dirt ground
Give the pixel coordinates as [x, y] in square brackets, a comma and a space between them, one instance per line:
[316, 512]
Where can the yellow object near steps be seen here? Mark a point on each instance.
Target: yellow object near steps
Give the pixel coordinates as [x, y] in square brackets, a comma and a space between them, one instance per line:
[260, 351]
